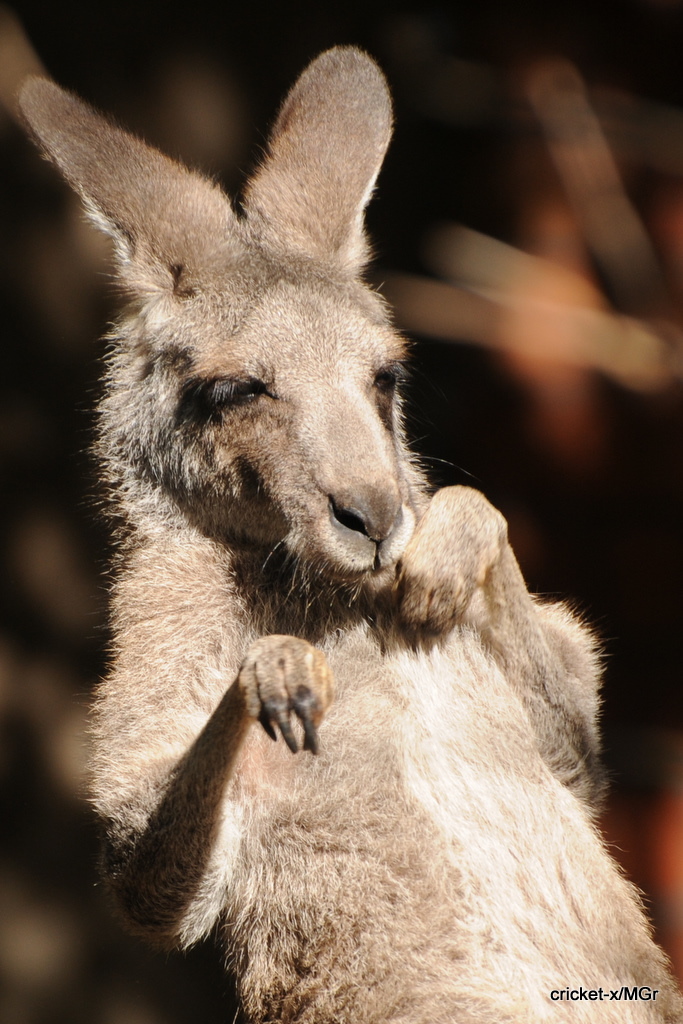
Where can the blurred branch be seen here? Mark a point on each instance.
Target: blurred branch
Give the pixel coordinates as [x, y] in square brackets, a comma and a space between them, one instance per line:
[620, 347]
[506, 300]
[611, 226]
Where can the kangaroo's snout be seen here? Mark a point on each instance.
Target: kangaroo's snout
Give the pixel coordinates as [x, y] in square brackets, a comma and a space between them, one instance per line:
[371, 512]
[370, 524]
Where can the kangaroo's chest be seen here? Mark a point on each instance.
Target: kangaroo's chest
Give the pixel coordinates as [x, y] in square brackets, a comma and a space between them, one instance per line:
[437, 736]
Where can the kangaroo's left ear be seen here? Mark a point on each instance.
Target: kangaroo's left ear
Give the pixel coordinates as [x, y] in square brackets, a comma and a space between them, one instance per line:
[325, 153]
[171, 226]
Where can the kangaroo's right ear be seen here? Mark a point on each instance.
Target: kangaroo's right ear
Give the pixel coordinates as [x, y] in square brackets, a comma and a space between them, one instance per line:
[170, 225]
[324, 155]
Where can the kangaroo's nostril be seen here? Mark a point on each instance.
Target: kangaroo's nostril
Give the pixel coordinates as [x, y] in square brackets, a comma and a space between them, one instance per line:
[374, 515]
[351, 518]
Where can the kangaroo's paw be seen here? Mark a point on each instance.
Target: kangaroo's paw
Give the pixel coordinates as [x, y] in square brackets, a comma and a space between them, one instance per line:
[454, 551]
[282, 675]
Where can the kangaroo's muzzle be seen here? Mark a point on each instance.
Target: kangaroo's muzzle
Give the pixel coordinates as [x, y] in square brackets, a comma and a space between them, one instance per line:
[372, 526]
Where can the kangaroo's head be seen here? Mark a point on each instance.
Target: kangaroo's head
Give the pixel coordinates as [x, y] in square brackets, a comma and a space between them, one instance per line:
[252, 383]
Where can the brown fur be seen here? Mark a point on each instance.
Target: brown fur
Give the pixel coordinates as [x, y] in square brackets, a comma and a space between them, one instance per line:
[283, 563]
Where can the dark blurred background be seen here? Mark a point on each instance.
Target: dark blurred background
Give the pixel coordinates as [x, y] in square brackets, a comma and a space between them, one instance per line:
[529, 229]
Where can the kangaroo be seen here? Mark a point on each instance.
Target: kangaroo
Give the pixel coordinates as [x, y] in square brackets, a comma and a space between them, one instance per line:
[421, 848]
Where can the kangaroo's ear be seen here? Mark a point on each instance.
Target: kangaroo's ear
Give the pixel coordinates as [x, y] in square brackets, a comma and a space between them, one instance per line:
[169, 224]
[324, 156]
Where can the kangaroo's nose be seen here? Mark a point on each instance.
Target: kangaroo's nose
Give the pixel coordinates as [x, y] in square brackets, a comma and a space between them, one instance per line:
[372, 512]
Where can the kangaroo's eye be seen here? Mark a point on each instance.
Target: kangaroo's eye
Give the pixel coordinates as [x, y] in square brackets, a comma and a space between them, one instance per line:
[388, 377]
[203, 400]
[385, 381]
[221, 394]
